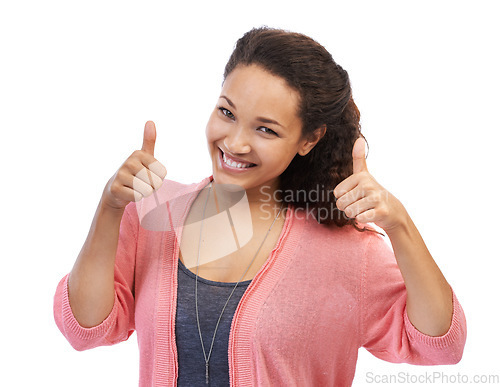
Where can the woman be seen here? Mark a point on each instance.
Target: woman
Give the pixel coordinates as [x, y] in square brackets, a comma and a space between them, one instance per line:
[264, 273]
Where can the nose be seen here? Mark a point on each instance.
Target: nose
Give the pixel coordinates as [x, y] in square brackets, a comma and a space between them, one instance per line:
[237, 142]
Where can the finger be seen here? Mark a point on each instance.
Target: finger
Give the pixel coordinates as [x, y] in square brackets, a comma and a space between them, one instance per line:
[141, 189]
[349, 198]
[137, 187]
[358, 207]
[346, 185]
[131, 195]
[147, 176]
[149, 138]
[358, 156]
[158, 169]
[368, 216]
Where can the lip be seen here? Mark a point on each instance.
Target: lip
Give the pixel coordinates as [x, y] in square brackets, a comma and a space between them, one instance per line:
[228, 168]
[237, 159]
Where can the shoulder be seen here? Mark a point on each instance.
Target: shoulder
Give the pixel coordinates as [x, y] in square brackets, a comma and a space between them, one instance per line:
[172, 187]
[171, 191]
[347, 235]
[344, 243]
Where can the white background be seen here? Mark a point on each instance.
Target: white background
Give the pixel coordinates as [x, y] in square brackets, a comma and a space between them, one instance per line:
[79, 80]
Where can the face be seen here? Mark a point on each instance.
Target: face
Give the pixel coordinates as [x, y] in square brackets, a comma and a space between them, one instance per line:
[254, 123]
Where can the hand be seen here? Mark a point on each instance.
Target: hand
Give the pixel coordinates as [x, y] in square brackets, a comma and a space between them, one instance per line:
[361, 197]
[138, 177]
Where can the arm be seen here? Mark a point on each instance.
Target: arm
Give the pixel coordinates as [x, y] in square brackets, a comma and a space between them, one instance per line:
[385, 328]
[429, 299]
[94, 304]
[91, 281]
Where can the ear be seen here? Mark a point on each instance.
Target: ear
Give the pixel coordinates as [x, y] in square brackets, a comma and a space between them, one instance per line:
[307, 144]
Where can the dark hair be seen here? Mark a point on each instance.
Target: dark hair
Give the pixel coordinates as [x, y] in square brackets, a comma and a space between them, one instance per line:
[325, 101]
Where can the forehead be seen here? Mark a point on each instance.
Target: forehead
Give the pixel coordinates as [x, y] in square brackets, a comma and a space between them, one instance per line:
[253, 89]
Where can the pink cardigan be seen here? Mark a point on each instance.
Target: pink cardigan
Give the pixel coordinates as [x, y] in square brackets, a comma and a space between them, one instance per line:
[320, 296]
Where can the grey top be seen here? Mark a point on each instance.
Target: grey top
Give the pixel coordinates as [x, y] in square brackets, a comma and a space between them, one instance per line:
[212, 296]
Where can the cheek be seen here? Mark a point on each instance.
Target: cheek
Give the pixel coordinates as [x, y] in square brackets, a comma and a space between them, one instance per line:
[286, 156]
[211, 129]
[215, 128]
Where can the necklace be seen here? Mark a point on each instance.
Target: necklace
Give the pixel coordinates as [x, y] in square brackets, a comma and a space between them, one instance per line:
[207, 358]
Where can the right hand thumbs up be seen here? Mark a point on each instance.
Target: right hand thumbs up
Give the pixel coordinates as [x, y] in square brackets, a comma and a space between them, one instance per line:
[138, 177]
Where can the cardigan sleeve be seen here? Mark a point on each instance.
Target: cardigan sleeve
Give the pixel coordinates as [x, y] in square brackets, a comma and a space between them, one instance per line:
[386, 330]
[119, 324]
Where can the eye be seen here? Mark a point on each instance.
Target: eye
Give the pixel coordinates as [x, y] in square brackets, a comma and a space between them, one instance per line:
[230, 115]
[270, 131]
[226, 112]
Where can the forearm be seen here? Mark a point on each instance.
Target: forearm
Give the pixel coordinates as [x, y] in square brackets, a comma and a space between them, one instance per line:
[429, 298]
[91, 281]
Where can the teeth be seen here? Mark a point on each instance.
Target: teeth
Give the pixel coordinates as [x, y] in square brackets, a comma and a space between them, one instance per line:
[233, 163]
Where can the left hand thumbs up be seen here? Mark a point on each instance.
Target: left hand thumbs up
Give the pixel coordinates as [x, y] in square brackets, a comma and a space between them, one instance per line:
[360, 196]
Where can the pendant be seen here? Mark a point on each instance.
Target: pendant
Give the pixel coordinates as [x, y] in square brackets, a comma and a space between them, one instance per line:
[206, 372]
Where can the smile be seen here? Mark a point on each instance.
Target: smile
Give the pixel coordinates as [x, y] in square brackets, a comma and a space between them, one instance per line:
[228, 162]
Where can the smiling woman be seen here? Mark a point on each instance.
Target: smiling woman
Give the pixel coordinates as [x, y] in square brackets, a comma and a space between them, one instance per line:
[255, 96]
[234, 282]
[319, 98]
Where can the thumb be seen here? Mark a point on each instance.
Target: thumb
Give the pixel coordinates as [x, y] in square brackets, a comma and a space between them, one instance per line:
[358, 156]
[148, 142]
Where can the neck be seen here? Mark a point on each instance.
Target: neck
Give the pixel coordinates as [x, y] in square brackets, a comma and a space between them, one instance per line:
[263, 201]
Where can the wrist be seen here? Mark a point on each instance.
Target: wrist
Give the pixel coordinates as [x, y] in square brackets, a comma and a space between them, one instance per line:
[401, 227]
[108, 211]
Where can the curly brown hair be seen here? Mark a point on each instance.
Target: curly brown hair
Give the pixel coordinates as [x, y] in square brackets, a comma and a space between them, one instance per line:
[325, 101]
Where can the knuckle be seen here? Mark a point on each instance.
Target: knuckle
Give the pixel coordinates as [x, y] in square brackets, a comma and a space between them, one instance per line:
[130, 165]
[120, 174]
[112, 187]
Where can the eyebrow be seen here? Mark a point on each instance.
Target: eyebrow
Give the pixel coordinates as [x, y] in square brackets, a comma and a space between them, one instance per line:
[261, 119]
